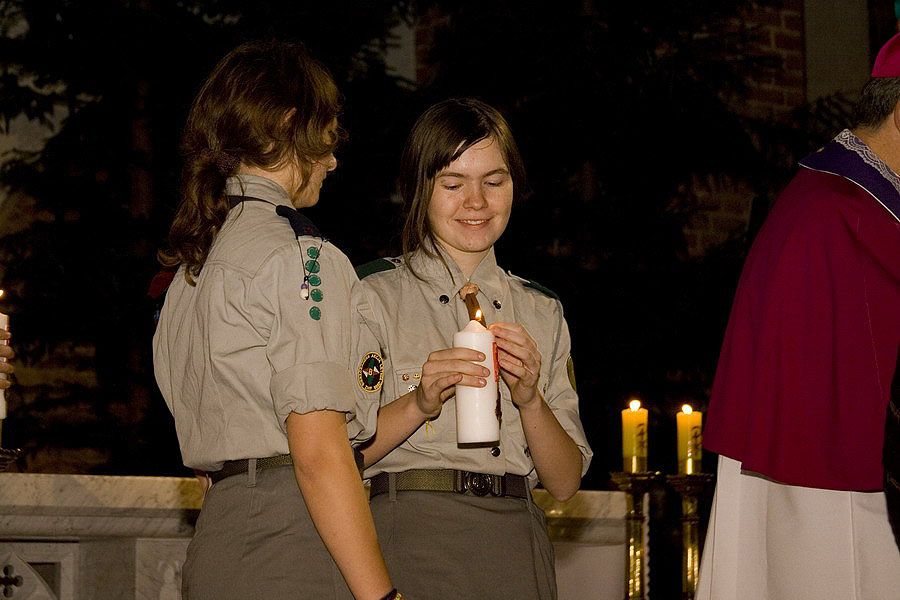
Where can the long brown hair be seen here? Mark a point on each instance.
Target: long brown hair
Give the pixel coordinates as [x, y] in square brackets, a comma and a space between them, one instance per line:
[265, 104]
[440, 136]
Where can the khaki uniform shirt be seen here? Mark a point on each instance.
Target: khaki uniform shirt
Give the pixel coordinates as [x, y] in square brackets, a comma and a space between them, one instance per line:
[415, 318]
[237, 353]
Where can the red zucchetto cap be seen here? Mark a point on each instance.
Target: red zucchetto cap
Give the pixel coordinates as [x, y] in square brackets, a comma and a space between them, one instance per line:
[887, 63]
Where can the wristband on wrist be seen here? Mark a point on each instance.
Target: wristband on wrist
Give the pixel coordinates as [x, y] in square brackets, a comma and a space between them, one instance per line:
[393, 595]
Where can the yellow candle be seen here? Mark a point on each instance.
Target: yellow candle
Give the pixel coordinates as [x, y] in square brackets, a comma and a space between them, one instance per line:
[690, 451]
[634, 437]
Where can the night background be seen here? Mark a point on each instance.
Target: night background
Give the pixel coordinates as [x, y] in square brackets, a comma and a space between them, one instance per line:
[655, 134]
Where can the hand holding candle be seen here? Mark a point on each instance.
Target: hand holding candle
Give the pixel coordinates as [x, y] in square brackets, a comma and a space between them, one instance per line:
[634, 438]
[690, 451]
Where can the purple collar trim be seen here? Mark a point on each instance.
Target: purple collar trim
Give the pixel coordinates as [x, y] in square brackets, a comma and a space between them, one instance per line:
[848, 157]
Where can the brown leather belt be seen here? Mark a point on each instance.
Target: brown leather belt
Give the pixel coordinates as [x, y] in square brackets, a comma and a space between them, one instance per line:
[236, 467]
[451, 480]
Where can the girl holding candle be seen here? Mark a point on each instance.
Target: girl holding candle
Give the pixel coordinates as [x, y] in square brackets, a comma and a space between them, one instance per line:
[457, 521]
[259, 351]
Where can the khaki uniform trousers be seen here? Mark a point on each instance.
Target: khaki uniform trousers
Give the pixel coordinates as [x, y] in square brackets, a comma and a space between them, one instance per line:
[447, 546]
[257, 541]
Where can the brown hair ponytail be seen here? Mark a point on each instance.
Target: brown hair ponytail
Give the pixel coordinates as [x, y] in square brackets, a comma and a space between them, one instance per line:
[263, 105]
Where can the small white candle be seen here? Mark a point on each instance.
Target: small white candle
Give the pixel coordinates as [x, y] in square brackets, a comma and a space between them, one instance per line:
[476, 416]
[4, 324]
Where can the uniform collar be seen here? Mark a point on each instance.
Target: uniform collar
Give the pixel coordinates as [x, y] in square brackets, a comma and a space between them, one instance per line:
[449, 279]
[253, 186]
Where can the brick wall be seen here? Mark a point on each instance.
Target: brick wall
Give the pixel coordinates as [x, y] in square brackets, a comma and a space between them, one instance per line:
[780, 33]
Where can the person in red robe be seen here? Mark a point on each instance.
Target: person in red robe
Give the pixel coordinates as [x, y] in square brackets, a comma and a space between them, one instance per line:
[797, 412]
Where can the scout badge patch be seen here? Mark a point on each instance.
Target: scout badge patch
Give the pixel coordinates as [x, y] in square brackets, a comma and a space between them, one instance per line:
[370, 374]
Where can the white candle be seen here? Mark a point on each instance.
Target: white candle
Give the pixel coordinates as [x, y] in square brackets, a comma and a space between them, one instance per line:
[476, 416]
[4, 324]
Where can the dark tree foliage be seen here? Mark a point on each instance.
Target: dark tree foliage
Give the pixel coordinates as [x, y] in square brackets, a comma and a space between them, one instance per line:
[124, 73]
[616, 106]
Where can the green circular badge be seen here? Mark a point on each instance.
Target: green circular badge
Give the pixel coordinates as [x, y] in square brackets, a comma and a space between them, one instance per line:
[312, 266]
[315, 312]
[316, 295]
[315, 280]
[312, 252]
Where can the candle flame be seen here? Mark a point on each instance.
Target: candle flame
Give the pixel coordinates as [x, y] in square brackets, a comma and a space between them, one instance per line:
[634, 405]
[478, 315]
[686, 409]
[2, 293]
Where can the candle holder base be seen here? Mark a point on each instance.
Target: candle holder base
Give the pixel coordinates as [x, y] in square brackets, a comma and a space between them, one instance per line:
[690, 487]
[636, 485]
[7, 457]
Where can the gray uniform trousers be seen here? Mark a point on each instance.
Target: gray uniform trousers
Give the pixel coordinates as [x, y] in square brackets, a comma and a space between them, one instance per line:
[258, 542]
[447, 546]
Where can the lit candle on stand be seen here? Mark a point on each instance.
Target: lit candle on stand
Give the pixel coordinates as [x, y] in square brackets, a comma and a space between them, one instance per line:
[634, 438]
[690, 451]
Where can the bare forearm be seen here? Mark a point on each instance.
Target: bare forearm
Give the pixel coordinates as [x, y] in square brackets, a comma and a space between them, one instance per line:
[337, 504]
[556, 457]
[396, 422]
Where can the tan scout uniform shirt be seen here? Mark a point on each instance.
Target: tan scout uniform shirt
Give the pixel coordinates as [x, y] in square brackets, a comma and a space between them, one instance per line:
[237, 353]
[415, 318]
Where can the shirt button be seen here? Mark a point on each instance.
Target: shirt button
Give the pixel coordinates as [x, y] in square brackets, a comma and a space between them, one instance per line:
[495, 451]
[497, 304]
[444, 299]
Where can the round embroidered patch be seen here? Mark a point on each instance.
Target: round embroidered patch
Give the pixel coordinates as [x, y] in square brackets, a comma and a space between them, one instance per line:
[316, 295]
[315, 280]
[312, 266]
[312, 252]
[370, 374]
[316, 313]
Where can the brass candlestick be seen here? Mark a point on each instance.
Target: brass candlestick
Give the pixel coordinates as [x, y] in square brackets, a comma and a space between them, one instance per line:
[690, 487]
[635, 485]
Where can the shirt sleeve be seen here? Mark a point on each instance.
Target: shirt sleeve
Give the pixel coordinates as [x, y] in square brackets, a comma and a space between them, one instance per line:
[560, 392]
[366, 363]
[308, 342]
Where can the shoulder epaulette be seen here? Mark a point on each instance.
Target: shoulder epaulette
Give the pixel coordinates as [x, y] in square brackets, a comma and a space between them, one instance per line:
[535, 286]
[376, 266]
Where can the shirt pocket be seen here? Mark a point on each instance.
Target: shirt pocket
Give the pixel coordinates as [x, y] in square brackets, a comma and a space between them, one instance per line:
[407, 379]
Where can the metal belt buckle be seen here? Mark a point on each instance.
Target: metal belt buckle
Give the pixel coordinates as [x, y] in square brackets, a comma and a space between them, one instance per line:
[477, 483]
[481, 484]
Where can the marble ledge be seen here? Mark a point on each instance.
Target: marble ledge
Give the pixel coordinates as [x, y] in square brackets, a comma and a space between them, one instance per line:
[589, 517]
[75, 506]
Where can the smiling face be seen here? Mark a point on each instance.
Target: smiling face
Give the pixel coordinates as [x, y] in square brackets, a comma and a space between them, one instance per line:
[471, 203]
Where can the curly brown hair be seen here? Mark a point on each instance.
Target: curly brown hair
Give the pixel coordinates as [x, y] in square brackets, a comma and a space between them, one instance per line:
[265, 104]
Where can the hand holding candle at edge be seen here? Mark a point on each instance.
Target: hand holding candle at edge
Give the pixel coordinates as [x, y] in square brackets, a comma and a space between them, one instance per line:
[6, 353]
[689, 423]
[634, 437]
